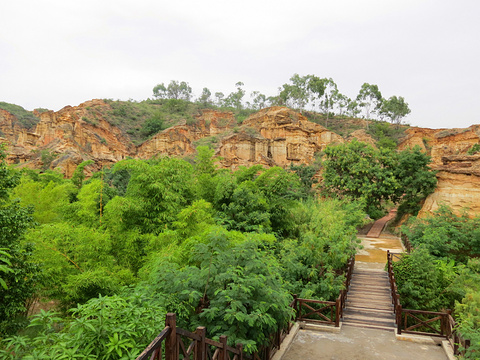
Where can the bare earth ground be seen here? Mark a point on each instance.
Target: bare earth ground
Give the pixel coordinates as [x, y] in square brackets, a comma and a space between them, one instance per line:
[355, 343]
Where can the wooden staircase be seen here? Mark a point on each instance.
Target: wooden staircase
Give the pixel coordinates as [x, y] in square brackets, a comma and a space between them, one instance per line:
[369, 302]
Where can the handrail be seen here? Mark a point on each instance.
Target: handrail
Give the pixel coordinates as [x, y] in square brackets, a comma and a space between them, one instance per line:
[447, 323]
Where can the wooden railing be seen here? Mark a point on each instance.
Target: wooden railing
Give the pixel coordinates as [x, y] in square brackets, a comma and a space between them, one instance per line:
[325, 312]
[406, 243]
[321, 312]
[197, 346]
[420, 322]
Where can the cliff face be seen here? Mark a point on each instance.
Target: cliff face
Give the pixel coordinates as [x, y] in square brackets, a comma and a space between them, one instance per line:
[63, 139]
[66, 138]
[179, 140]
[458, 174]
[275, 136]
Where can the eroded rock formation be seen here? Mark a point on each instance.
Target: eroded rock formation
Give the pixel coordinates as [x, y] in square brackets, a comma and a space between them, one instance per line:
[458, 173]
[275, 136]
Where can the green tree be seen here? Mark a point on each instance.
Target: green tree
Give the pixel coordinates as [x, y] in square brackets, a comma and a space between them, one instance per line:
[179, 90]
[160, 91]
[423, 282]
[248, 209]
[205, 99]
[369, 98]
[417, 180]
[48, 199]
[259, 100]
[395, 108]
[234, 99]
[156, 192]
[359, 171]
[18, 283]
[296, 94]
[220, 99]
[327, 101]
[316, 86]
[205, 169]
[77, 263]
[79, 174]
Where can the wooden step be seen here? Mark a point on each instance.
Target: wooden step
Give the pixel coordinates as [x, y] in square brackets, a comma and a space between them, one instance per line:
[369, 326]
[368, 297]
[387, 310]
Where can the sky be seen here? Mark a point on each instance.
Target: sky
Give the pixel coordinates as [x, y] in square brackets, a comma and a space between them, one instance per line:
[55, 53]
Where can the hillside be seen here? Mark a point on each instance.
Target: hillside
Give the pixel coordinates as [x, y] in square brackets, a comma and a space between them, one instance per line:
[108, 131]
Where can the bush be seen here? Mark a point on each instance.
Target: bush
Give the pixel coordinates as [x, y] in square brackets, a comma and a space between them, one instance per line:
[110, 327]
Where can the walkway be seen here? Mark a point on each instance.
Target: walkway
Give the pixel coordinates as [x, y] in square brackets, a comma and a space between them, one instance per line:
[367, 331]
[355, 343]
[378, 226]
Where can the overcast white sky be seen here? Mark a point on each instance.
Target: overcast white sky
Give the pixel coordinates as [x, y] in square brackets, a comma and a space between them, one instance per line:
[55, 53]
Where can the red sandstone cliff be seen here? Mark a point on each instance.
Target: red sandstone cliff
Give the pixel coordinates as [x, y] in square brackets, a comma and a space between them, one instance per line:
[272, 136]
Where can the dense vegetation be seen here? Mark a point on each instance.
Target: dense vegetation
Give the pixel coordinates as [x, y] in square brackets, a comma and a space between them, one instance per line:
[378, 177]
[115, 252]
[443, 272]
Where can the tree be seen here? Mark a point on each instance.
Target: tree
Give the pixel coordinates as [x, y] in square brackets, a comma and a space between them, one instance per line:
[445, 234]
[234, 99]
[220, 98]
[175, 90]
[232, 288]
[396, 109]
[248, 210]
[160, 91]
[79, 175]
[327, 101]
[156, 192]
[316, 86]
[296, 94]
[259, 100]
[359, 171]
[204, 99]
[369, 98]
[416, 178]
[205, 169]
[19, 278]
[179, 90]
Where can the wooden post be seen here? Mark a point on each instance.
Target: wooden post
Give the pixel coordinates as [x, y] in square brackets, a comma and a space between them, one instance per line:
[223, 351]
[337, 311]
[200, 346]
[295, 306]
[171, 348]
[278, 337]
[399, 319]
[240, 351]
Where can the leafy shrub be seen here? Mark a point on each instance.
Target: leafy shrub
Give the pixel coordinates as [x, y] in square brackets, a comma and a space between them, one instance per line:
[110, 327]
[445, 234]
[474, 149]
